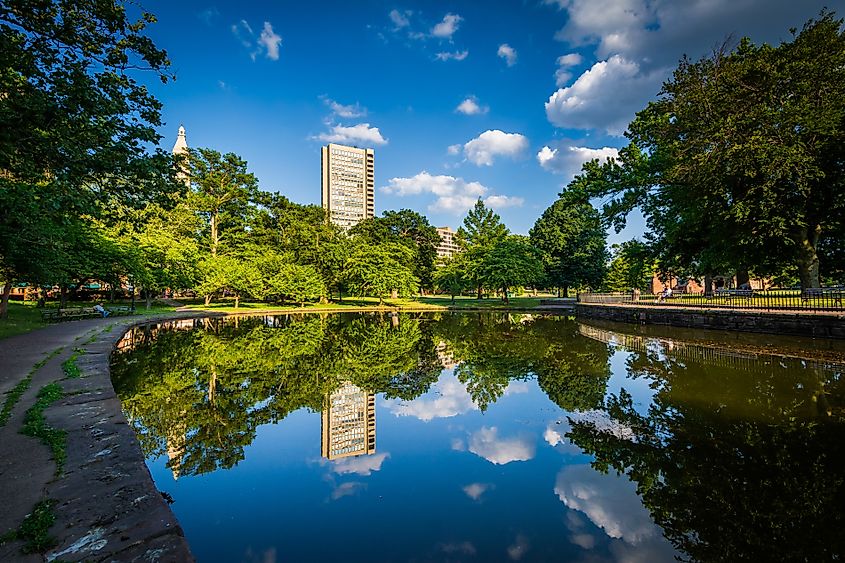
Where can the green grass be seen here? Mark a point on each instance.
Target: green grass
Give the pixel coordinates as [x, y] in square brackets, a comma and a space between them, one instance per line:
[23, 317]
[34, 531]
[35, 425]
[69, 366]
[14, 395]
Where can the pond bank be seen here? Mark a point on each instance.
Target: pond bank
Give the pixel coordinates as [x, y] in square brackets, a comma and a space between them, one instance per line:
[792, 323]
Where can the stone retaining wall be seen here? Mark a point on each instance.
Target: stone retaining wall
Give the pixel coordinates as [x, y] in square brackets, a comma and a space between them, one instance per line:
[816, 325]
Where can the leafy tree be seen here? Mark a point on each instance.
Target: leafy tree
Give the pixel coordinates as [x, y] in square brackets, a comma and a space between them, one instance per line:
[451, 278]
[481, 230]
[381, 269]
[223, 191]
[74, 124]
[228, 273]
[738, 165]
[571, 240]
[297, 282]
[511, 262]
[631, 267]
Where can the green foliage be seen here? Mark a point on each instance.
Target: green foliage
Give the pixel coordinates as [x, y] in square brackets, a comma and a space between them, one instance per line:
[481, 231]
[511, 262]
[297, 283]
[631, 267]
[738, 165]
[571, 241]
[380, 270]
[451, 276]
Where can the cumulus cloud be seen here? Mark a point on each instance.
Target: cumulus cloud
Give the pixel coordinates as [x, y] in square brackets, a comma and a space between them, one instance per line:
[475, 490]
[552, 436]
[563, 74]
[483, 150]
[639, 42]
[486, 443]
[567, 159]
[454, 195]
[361, 133]
[609, 501]
[447, 27]
[604, 97]
[360, 465]
[268, 41]
[451, 55]
[470, 106]
[450, 398]
[454, 149]
[400, 19]
[345, 111]
[347, 489]
[508, 53]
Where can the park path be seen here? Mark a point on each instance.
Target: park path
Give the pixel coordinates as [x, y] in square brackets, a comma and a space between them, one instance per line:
[106, 504]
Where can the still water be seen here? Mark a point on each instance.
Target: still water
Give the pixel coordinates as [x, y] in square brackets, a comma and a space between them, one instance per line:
[487, 437]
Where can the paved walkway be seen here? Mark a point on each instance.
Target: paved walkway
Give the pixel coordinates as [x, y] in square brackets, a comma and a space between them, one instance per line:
[106, 504]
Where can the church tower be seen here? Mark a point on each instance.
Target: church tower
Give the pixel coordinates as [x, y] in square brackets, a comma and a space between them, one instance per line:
[180, 148]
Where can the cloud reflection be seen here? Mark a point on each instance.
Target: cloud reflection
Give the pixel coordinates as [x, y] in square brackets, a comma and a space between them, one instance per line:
[486, 443]
[450, 398]
[361, 465]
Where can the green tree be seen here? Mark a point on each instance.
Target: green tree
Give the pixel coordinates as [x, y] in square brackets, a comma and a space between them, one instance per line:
[223, 192]
[300, 283]
[571, 240]
[481, 230]
[379, 270]
[451, 278]
[511, 262]
[631, 267]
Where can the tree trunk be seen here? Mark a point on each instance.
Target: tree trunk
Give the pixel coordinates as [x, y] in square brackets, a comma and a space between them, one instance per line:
[566, 290]
[505, 295]
[4, 301]
[148, 297]
[558, 291]
[394, 294]
[708, 285]
[207, 299]
[42, 298]
[808, 258]
[214, 234]
[63, 297]
[453, 299]
[237, 300]
[479, 293]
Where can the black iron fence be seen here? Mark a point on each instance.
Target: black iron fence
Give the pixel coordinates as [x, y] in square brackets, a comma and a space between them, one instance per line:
[816, 299]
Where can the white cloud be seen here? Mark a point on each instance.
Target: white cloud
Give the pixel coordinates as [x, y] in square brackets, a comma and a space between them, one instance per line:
[450, 399]
[455, 56]
[482, 150]
[454, 195]
[270, 40]
[361, 133]
[508, 53]
[360, 465]
[475, 490]
[604, 97]
[454, 149]
[400, 19]
[552, 436]
[486, 443]
[447, 27]
[346, 111]
[567, 159]
[347, 489]
[565, 62]
[470, 106]
[609, 501]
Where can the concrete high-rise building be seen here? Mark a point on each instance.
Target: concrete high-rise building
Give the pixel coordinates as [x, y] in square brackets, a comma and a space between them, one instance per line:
[180, 148]
[447, 247]
[348, 423]
[348, 175]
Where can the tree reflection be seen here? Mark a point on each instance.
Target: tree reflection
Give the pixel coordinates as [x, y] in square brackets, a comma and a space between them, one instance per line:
[199, 395]
[734, 463]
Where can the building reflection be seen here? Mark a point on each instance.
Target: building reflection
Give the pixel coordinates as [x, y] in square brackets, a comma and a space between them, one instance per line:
[348, 423]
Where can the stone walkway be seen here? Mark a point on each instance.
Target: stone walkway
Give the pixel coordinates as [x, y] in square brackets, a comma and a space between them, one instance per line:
[106, 504]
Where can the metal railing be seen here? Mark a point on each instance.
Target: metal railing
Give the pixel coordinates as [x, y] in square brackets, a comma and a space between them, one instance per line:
[818, 299]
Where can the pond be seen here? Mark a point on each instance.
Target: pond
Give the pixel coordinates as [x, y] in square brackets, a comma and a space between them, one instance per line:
[487, 437]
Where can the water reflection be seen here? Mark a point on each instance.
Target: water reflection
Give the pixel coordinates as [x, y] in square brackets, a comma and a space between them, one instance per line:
[502, 437]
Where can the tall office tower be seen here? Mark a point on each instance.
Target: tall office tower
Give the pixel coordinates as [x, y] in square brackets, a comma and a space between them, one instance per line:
[348, 184]
[348, 423]
[180, 148]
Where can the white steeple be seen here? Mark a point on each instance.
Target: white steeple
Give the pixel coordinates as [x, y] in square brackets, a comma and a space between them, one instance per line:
[181, 145]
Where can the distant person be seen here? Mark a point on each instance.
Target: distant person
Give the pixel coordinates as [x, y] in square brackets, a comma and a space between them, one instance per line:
[665, 294]
[745, 285]
[102, 310]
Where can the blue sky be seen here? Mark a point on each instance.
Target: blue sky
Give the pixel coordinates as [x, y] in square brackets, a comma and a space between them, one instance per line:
[502, 100]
